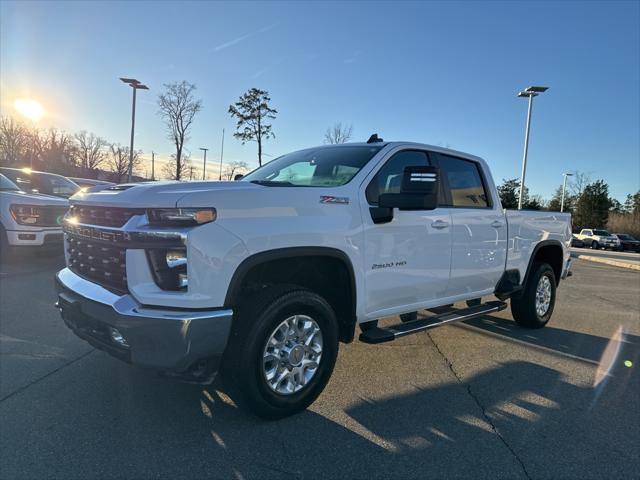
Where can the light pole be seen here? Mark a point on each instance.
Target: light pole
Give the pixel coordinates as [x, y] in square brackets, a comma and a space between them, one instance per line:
[204, 163]
[529, 92]
[136, 85]
[221, 154]
[564, 187]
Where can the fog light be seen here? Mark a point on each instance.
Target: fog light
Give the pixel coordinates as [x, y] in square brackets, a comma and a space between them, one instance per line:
[117, 337]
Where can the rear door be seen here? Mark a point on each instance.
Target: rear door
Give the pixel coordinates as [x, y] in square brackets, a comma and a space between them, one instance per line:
[479, 229]
[407, 260]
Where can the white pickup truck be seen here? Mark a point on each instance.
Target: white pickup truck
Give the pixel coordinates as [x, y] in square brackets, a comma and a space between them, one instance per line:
[262, 278]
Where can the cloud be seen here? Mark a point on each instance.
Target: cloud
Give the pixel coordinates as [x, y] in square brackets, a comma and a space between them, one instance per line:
[235, 41]
[353, 57]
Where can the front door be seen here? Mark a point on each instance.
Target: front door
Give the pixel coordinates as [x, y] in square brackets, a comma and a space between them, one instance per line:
[407, 260]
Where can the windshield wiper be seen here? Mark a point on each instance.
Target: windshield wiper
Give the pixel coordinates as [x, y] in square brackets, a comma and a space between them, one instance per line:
[272, 183]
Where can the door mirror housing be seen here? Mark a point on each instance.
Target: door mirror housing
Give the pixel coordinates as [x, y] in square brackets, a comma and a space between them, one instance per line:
[419, 190]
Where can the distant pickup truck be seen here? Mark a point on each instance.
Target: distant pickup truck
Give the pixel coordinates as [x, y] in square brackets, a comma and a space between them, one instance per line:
[29, 220]
[596, 239]
[262, 278]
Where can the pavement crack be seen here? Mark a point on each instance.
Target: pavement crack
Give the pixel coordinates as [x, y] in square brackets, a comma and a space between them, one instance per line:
[37, 380]
[480, 406]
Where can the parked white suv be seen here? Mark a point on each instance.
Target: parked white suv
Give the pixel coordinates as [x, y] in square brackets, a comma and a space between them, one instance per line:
[29, 219]
[263, 277]
[597, 238]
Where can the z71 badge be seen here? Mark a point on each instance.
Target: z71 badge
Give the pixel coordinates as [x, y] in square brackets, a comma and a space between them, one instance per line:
[332, 199]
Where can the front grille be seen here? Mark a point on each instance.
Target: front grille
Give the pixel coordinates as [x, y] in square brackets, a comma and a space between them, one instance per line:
[51, 216]
[103, 216]
[98, 262]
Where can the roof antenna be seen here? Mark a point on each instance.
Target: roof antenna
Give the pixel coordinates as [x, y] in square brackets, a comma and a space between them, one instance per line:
[374, 139]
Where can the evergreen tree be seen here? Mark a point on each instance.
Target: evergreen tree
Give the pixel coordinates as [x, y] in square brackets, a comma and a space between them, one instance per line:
[592, 208]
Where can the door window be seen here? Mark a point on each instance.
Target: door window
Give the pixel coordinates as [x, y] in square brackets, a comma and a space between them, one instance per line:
[464, 182]
[389, 177]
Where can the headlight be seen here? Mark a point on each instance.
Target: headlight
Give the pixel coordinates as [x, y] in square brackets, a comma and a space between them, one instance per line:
[169, 267]
[25, 214]
[180, 216]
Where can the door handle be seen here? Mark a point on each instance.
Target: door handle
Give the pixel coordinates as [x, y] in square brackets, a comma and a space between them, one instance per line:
[496, 224]
[439, 224]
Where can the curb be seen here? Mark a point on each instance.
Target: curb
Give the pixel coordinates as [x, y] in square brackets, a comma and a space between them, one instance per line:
[608, 261]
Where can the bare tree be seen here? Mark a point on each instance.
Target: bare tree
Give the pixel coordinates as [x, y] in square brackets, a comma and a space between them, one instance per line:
[172, 171]
[252, 111]
[235, 167]
[578, 183]
[178, 107]
[90, 150]
[338, 133]
[118, 161]
[14, 140]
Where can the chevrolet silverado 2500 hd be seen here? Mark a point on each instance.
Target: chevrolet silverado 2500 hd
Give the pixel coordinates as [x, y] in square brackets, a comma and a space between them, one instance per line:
[262, 278]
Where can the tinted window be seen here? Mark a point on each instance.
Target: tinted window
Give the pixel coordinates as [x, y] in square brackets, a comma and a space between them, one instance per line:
[316, 167]
[389, 177]
[464, 182]
[602, 233]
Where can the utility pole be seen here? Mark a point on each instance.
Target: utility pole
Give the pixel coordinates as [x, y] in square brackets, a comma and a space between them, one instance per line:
[564, 187]
[153, 163]
[221, 154]
[529, 92]
[136, 85]
[204, 163]
[191, 172]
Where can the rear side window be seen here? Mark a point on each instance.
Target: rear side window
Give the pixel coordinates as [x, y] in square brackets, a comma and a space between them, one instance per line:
[464, 182]
[389, 177]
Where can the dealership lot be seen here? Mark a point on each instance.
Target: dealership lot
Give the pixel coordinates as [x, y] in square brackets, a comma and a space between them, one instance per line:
[475, 400]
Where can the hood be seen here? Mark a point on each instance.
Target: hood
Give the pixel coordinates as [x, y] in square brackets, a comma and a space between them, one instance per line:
[155, 194]
[20, 197]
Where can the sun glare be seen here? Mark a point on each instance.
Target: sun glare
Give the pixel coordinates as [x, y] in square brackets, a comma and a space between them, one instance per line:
[29, 108]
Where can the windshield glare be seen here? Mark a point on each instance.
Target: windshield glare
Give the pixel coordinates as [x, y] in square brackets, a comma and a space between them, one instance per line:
[315, 167]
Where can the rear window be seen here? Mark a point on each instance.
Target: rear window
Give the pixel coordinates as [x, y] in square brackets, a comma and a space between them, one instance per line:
[463, 180]
[602, 233]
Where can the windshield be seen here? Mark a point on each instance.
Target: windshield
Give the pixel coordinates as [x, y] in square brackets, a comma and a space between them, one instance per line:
[602, 233]
[624, 236]
[315, 167]
[6, 184]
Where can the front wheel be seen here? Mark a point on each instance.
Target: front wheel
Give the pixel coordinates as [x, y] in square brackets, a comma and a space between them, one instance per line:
[282, 351]
[533, 308]
[595, 245]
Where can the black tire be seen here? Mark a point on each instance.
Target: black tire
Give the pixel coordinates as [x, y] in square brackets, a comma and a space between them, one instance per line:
[6, 251]
[408, 317]
[523, 307]
[595, 245]
[256, 320]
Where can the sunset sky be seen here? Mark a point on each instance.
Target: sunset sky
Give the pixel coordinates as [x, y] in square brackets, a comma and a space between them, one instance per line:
[439, 73]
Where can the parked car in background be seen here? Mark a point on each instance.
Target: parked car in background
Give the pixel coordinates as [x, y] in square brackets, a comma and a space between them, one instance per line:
[29, 219]
[32, 181]
[627, 242]
[576, 242]
[596, 239]
[89, 182]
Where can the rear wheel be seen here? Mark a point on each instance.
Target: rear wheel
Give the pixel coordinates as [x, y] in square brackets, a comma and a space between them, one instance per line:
[534, 307]
[282, 351]
[595, 245]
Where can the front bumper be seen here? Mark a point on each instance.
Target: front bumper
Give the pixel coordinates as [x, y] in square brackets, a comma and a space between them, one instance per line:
[35, 238]
[178, 342]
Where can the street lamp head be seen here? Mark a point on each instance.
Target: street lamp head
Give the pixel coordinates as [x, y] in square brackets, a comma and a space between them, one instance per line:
[527, 94]
[134, 83]
[205, 149]
[568, 174]
[536, 89]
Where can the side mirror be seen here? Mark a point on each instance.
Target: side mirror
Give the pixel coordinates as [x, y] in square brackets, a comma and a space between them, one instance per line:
[419, 191]
[238, 176]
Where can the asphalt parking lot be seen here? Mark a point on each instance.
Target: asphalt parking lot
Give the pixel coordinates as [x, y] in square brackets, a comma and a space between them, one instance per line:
[483, 399]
